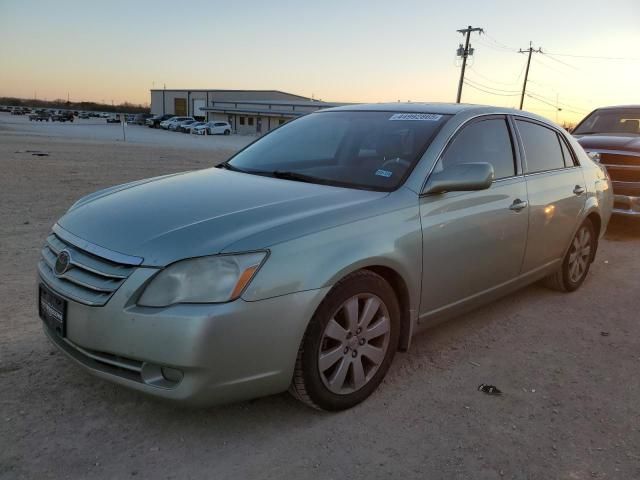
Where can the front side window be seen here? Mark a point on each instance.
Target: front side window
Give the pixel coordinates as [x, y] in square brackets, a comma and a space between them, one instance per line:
[371, 150]
[483, 141]
[541, 147]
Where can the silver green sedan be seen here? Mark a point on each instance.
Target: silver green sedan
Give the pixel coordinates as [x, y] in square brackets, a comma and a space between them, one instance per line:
[310, 257]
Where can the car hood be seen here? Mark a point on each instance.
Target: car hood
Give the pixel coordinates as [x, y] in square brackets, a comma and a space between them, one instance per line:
[609, 142]
[200, 213]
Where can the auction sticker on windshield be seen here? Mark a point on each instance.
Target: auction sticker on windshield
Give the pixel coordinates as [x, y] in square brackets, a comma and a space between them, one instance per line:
[425, 117]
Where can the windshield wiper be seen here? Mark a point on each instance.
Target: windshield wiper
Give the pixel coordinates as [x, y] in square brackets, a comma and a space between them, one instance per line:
[228, 166]
[298, 177]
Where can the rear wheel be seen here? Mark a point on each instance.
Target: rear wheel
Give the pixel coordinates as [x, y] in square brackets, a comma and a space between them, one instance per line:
[227, 132]
[577, 261]
[349, 343]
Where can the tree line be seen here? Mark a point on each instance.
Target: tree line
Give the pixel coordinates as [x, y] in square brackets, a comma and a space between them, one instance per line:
[125, 107]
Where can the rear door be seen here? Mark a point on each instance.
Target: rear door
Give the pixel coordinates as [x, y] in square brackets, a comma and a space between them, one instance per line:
[556, 189]
[474, 241]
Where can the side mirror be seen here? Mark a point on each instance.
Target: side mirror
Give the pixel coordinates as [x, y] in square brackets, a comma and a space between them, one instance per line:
[461, 177]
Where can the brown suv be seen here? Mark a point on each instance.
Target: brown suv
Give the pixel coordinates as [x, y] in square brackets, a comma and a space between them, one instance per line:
[611, 135]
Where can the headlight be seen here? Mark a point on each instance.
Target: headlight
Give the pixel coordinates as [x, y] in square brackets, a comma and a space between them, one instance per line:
[595, 156]
[215, 279]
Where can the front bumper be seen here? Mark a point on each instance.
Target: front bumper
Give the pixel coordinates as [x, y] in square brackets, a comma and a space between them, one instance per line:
[626, 205]
[225, 352]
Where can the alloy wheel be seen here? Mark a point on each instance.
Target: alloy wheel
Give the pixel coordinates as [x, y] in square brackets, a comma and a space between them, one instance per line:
[580, 254]
[354, 344]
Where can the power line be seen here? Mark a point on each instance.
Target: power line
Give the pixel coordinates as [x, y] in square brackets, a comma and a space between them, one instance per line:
[538, 62]
[536, 97]
[495, 47]
[594, 57]
[491, 93]
[559, 103]
[500, 44]
[491, 88]
[516, 81]
[560, 61]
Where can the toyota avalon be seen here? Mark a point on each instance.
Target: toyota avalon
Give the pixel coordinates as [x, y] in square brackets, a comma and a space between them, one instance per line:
[305, 261]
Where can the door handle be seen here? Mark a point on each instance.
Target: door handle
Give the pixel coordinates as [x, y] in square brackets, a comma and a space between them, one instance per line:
[578, 190]
[518, 205]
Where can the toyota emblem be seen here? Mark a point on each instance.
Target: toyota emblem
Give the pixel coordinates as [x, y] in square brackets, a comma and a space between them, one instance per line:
[63, 263]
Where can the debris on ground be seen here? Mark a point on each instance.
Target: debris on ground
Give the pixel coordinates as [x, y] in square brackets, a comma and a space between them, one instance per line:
[489, 389]
[37, 153]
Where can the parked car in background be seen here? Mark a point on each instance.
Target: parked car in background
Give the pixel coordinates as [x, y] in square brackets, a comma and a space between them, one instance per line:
[141, 118]
[62, 116]
[220, 128]
[39, 116]
[611, 136]
[184, 126]
[309, 258]
[214, 128]
[202, 128]
[154, 121]
[114, 118]
[17, 111]
[84, 115]
[175, 122]
[165, 123]
[192, 127]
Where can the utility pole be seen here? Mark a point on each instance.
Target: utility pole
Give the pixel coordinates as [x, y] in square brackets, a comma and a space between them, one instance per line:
[464, 52]
[531, 51]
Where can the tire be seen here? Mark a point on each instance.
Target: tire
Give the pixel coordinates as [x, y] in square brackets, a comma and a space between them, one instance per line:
[330, 340]
[227, 132]
[571, 275]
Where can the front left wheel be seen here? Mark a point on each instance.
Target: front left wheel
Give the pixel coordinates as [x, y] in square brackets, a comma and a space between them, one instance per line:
[349, 343]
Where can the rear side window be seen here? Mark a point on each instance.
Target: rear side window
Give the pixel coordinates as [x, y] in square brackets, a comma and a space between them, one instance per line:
[484, 141]
[541, 147]
[568, 158]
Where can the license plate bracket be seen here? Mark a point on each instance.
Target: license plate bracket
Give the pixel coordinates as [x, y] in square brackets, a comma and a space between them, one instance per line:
[53, 310]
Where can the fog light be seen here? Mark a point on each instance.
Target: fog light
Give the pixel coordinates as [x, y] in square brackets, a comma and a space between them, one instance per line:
[163, 377]
[172, 374]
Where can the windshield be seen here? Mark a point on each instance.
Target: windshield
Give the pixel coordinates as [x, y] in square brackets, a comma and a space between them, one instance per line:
[611, 121]
[371, 150]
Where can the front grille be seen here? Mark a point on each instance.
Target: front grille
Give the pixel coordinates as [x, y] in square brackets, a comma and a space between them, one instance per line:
[90, 280]
[622, 167]
[626, 174]
[619, 159]
[105, 362]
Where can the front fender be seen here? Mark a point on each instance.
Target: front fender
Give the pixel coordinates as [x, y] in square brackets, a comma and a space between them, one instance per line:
[318, 260]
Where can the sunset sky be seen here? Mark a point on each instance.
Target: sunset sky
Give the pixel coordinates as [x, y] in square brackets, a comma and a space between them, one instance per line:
[336, 50]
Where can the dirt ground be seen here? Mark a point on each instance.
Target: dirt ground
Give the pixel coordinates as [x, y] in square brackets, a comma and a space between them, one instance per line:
[567, 364]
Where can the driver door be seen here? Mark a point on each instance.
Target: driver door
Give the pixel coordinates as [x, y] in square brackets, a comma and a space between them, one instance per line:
[474, 242]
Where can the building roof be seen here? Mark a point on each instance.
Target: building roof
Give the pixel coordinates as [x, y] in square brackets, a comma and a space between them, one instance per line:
[285, 103]
[263, 107]
[273, 93]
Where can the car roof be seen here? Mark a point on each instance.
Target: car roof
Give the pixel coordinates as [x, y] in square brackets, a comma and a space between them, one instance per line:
[620, 107]
[438, 108]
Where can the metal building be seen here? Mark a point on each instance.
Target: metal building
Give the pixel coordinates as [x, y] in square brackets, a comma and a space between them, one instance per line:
[248, 111]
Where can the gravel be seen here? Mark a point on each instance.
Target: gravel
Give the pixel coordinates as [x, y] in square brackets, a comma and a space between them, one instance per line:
[567, 364]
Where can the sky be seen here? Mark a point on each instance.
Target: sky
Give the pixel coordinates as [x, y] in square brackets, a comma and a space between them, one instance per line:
[334, 50]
